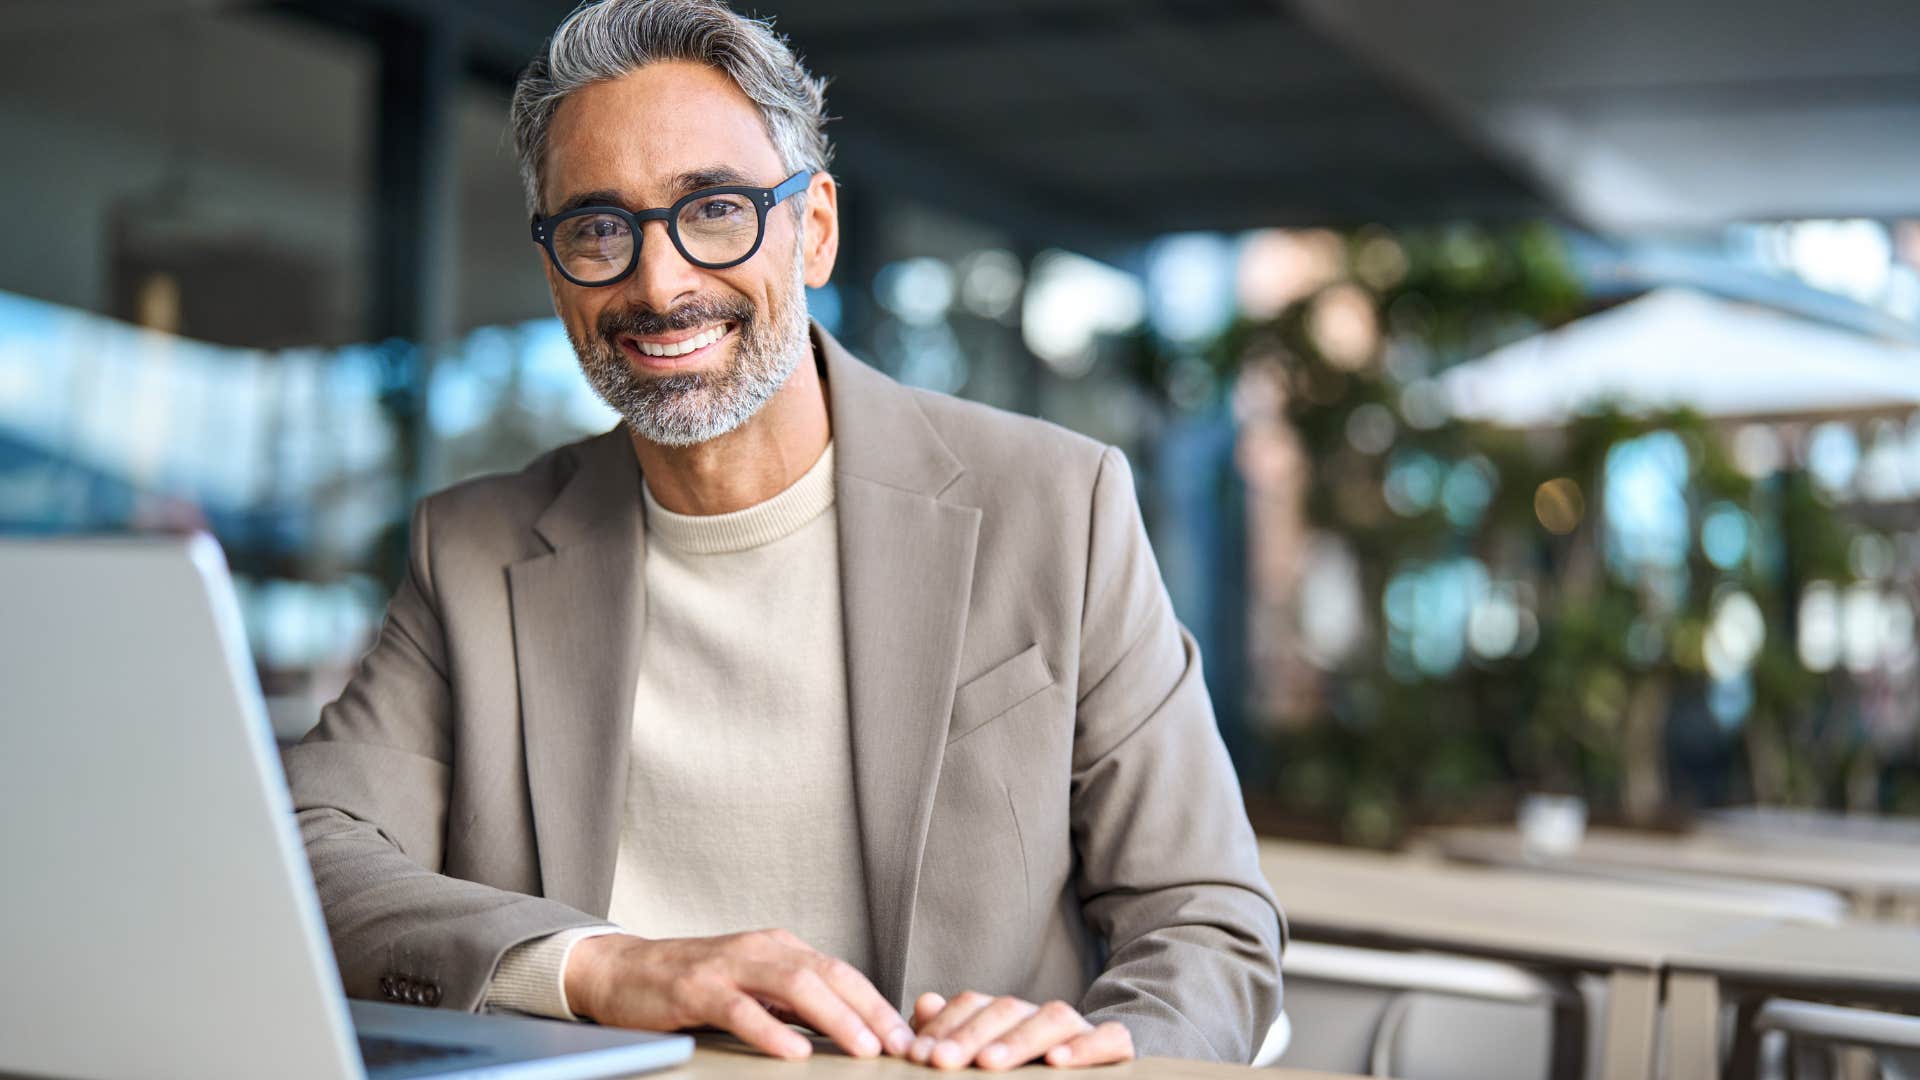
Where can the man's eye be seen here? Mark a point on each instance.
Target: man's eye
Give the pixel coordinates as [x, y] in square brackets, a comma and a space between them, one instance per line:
[717, 209]
[593, 228]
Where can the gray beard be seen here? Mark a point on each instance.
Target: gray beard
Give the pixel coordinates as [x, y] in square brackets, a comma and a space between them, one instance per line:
[686, 408]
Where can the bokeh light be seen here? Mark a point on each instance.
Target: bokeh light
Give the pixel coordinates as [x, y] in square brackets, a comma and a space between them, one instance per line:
[1559, 506]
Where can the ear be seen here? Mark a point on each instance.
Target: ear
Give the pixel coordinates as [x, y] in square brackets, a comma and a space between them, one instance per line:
[820, 233]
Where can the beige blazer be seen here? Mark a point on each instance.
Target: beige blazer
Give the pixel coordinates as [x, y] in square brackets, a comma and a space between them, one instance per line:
[1045, 806]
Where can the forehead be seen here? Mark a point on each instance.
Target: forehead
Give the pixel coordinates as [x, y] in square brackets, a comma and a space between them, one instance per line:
[636, 133]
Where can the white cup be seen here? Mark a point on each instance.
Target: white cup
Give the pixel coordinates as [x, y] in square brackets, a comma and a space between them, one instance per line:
[1552, 825]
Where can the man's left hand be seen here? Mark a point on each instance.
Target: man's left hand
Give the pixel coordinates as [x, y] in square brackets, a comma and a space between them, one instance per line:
[1003, 1032]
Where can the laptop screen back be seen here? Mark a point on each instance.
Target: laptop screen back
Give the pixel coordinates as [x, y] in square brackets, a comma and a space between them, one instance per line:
[158, 918]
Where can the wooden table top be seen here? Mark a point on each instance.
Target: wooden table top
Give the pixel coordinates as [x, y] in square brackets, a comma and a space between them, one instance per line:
[1772, 822]
[1856, 868]
[1881, 960]
[1364, 897]
[718, 1057]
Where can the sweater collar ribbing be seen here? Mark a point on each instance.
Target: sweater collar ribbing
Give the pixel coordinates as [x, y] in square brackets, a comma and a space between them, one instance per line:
[754, 526]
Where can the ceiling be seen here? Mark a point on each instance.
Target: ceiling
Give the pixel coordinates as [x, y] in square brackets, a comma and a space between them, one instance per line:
[1097, 123]
[1142, 116]
[1638, 115]
[1091, 122]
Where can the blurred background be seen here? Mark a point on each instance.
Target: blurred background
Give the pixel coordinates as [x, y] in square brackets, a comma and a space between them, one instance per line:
[1524, 394]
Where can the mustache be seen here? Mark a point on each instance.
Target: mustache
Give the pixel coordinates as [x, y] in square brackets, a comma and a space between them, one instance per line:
[700, 311]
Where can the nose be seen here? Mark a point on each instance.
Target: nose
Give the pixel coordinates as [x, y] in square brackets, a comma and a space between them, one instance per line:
[661, 275]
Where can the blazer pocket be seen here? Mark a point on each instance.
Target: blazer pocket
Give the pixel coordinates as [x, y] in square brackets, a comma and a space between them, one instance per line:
[992, 695]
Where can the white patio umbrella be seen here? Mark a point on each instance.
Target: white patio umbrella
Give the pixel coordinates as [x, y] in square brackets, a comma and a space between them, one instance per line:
[1676, 348]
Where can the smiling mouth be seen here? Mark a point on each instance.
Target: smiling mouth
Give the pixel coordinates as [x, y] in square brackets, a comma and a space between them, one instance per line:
[657, 350]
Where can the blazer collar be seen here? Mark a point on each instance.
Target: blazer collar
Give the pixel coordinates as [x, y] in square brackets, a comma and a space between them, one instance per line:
[879, 430]
[602, 492]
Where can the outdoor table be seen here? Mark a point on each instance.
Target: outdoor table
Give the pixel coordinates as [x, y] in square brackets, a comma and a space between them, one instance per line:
[1623, 931]
[1875, 877]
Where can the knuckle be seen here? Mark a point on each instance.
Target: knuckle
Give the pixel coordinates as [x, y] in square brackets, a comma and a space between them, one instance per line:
[1058, 1010]
[970, 999]
[738, 1011]
[798, 979]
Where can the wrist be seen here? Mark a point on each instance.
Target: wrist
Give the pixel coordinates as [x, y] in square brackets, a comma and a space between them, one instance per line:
[584, 975]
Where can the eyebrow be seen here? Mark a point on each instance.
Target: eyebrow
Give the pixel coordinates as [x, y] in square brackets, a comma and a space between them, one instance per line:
[710, 176]
[691, 180]
[603, 197]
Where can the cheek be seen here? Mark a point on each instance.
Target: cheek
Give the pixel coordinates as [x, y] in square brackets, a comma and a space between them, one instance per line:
[579, 313]
[754, 289]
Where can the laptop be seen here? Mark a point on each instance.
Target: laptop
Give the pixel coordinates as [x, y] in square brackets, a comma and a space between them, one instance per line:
[157, 916]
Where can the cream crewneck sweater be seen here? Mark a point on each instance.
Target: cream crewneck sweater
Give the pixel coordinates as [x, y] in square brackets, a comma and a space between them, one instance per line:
[739, 810]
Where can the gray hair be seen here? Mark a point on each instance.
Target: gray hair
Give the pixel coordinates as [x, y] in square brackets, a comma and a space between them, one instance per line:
[605, 39]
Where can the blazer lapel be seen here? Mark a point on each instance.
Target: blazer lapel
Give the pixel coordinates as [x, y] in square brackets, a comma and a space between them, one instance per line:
[906, 575]
[577, 619]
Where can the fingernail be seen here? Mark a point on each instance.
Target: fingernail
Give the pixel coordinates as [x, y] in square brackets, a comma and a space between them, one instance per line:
[1059, 1055]
[899, 1040]
[922, 1048]
[993, 1055]
[946, 1052]
[866, 1045]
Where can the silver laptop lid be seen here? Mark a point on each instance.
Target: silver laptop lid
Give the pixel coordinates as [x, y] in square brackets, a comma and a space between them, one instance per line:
[157, 900]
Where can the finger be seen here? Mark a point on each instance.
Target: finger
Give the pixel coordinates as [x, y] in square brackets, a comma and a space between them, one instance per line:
[998, 1018]
[877, 1012]
[926, 1008]
[806, 995]
[1104, 1045]
[956, 1012]
[1051, 1025]
[745, 1018]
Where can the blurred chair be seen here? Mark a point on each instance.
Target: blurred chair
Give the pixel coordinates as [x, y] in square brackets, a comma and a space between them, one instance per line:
[1428, 1016]
[1815, 1033]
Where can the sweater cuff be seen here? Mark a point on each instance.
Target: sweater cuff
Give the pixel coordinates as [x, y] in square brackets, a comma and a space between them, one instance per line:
[531, 977]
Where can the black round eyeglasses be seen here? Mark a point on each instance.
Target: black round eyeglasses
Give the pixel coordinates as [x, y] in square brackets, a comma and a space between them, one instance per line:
[713, 228]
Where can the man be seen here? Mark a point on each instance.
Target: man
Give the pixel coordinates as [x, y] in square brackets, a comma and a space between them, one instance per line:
[797, 692]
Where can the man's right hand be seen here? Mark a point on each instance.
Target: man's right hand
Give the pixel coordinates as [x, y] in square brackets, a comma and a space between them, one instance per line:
[736, 983]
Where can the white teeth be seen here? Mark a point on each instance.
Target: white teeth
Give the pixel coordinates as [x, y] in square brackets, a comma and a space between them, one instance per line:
[681, 348]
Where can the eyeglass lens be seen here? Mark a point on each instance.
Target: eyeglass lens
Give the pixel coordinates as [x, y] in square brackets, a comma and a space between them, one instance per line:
[719, 228]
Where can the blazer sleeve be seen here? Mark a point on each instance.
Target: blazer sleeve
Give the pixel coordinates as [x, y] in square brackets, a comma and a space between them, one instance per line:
[1169, 869]
[370, 786]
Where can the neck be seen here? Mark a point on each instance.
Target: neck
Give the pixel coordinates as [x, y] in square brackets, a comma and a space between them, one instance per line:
[750, 464]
